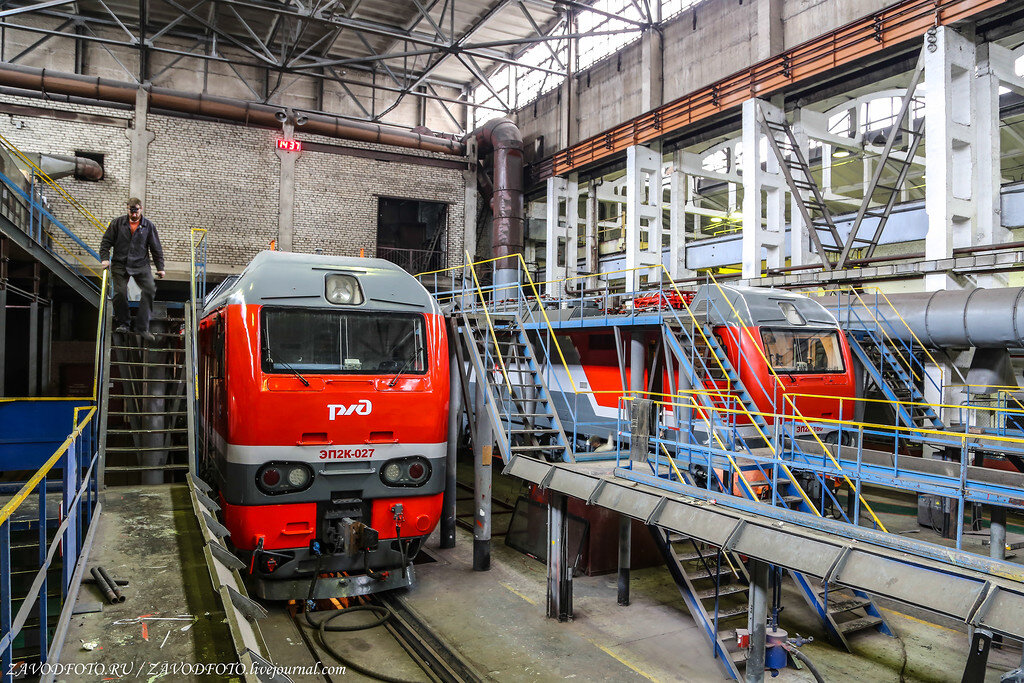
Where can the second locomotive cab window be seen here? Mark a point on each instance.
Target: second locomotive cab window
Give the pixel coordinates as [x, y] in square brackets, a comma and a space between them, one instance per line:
[810, 351]
[334, 342]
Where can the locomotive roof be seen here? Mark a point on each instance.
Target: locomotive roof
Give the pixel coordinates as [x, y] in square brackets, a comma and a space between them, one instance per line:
[760, 306]
[285, 278]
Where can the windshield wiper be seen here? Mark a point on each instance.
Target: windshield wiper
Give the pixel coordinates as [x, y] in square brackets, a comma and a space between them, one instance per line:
[295, 372]
[401, 372]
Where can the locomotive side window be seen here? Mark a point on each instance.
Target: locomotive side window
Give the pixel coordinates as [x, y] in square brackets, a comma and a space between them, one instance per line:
[803, 351]
[337, 342]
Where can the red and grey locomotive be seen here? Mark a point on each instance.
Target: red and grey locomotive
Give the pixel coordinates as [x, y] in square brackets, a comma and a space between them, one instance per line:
[324, 403]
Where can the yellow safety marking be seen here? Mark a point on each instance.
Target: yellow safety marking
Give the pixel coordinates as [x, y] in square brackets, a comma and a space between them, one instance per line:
[513, 590]
[621, 660]
[903, 615]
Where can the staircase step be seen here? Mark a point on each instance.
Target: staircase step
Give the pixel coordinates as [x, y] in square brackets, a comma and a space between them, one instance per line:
[145, 395]
[146, 412]
[171, 430]
[143, 468]
[846, 604]
[158, 349]
[518, 449]
[533, 431]
[861, 624]
[147, 365]
[728, 589]
[702, 574]
[179, 380]
[729, 613]
[129, 449]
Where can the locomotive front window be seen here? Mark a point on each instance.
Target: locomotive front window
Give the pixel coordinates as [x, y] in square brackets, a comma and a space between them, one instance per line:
[337, 342]
[803, 351]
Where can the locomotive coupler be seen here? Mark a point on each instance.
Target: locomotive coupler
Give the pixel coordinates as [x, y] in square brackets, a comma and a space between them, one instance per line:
[357, 537]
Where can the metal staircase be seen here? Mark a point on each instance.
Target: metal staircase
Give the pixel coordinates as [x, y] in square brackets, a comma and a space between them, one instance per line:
[894, 376]
[714, 585]
[797, 173]
[144, 425]
[517, 397]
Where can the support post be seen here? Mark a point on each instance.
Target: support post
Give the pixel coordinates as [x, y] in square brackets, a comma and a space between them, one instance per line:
[997, 532]
[591, 259]
[47, 341]
[637, 363]
[482, 451]
[643, 214]
[286, 194]
[3, 312]
[757, 617]
[559, 566]
[454, 421]
[33, 334]
[762, 193]
[562, 226]
[470, 179]
[139, 137]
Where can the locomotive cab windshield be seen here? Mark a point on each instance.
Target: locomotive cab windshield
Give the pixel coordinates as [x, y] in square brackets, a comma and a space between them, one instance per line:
[803, 351]
[342, 342]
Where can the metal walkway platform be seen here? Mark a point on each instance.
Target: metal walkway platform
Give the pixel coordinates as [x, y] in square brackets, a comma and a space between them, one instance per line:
[976, 590]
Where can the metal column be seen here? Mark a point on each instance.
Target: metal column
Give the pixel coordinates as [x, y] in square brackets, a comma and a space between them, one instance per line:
[3, 311]
[33, 334]
[758, 616]
[997, 531]
[454, 421]
[637, 364]
[763, 193]
[643, 214]
[562, 229]
[482, 450]
[559, 566]
[47, 341]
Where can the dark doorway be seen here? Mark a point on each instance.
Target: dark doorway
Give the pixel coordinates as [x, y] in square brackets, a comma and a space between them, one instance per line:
[411, 233]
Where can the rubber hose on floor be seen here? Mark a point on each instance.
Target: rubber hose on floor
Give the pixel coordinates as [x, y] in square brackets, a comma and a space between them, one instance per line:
[810, 667]
[383, 614]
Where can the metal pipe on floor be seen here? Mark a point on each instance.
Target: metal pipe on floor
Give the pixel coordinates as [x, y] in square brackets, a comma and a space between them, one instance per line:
[482, 451]
[454, 421]
[756, 618]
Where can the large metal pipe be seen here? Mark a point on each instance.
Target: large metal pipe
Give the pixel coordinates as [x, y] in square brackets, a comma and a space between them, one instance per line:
[984, 318]
[502, 136]
[105, 90]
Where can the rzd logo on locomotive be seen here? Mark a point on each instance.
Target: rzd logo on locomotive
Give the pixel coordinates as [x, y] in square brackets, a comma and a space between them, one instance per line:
[363, 407]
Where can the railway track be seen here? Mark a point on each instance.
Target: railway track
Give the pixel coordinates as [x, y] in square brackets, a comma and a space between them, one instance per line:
[431, 653]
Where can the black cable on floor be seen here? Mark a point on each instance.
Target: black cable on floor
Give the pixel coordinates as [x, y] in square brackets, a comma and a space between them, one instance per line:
[383, 614]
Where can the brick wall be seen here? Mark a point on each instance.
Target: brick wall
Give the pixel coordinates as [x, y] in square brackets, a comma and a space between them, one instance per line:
[225, 177]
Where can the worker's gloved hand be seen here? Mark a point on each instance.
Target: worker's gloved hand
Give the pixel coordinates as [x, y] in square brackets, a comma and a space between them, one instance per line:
[160, 274]
[104, 264]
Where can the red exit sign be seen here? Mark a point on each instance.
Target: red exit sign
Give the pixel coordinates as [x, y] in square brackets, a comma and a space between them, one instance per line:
[290, 145]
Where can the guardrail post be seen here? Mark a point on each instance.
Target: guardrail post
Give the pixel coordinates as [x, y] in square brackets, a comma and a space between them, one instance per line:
[43, 615]
[5, 599]
[70, 478]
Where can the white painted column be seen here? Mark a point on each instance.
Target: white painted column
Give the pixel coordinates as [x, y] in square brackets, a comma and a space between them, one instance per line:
[988, 175]
[643, 215]
[950, 154]
[472, 195]
[562, 224]
[762, 194]
[286, 194]
[800, 253]
[139, 137]
[592, 255]
[678, 198]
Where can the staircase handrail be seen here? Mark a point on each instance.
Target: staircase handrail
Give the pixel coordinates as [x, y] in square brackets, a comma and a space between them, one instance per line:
[54, 221]
[796, 411]
[100, 320]
[57, 188]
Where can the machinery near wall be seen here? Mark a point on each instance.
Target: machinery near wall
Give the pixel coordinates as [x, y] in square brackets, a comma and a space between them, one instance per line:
[308, 369]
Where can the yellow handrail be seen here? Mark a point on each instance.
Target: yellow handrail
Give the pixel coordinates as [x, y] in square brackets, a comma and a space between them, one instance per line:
[796, 411]
[30, 486]
[490, 328]
[49, 181]
[99, 335]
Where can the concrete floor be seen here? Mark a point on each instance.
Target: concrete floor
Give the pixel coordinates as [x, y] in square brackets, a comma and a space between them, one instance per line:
[495, 618]
[149, 536]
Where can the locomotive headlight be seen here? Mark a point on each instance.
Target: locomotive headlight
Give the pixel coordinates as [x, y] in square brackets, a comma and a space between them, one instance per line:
[343, 289]
[392, 473]
[298, 477]
[283, 477]
[414, 471]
